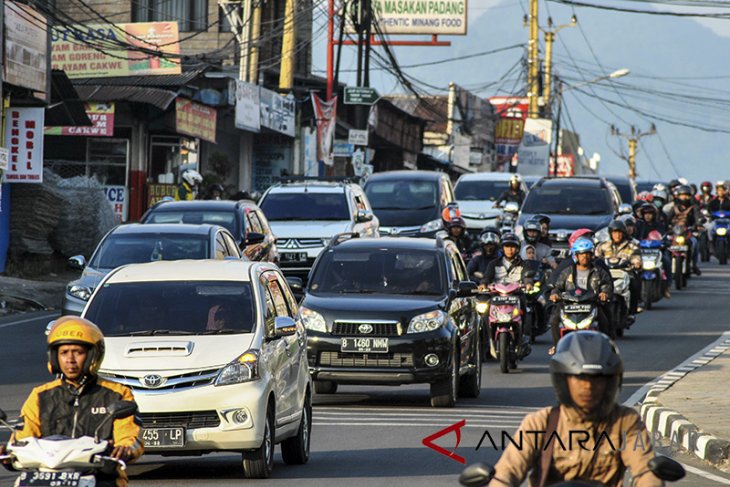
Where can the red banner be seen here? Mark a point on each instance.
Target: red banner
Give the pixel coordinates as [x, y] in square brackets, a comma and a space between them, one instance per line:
[508, 130]
[566, 166]
[326, 114]
[100, 114]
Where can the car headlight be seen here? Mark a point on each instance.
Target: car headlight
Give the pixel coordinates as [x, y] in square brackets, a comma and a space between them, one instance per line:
[679, 240]
[721, 232]
[312, 320]
[430, 321]
[244, 369]
[431, 226]
[81, 292]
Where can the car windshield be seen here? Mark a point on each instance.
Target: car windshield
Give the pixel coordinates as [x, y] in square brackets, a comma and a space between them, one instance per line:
[480, 190]
[568, 200]
[378, 271]
[226, 219]
[173, 308]
[118, 250]
[624, 189]
[402, 195]
[305, 206]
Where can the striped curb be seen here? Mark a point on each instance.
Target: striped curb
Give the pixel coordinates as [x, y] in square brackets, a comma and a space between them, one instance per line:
[662, 421]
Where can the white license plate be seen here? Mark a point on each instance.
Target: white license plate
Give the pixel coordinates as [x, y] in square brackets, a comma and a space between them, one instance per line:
[364, 345]
[292, 257]
[678, 248]
[577, 308]
[48, 479]
[163, 437]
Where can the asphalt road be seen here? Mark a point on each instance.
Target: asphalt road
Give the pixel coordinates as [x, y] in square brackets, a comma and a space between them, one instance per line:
[372, 435]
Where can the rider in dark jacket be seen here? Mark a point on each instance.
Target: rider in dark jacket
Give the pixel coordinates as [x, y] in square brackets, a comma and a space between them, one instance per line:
[489, 243]
[514, 193]
[457, 233]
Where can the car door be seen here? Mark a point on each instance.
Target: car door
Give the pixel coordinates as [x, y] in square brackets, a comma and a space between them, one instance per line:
[252, 251]
[299, 369]
[463, 309]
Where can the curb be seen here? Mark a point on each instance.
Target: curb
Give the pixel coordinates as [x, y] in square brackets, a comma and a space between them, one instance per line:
[662, 421]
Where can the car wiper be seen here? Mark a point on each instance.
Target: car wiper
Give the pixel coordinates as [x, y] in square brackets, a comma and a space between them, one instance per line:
[159, 332]
[428, 293]
[357, 291]
[224, 331]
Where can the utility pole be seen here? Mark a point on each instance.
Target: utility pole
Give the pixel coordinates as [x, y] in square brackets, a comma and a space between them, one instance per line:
[242, 30]
[550, 32]
[286, 73]
[533, 61]
[253, 74]
[633, 139]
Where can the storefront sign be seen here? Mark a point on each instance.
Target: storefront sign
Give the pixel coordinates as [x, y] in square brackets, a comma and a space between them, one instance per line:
[72, 52]
[155, 192]
[270, 162]
[441, 17]
[326, 115]
[248, 106]
[24, 141]
[277, 112]
[196, 120]
[100, 114]
[509, 129]
[534, 152]
[357, 137]
[117, 196]
[342, 148]
[26, 46]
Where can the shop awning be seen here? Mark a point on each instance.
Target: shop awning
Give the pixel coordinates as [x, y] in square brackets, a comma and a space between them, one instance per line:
[66, 108]
[153, 96]
[160, 80]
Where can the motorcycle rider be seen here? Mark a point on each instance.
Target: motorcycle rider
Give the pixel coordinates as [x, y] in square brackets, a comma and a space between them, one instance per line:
[706, 196]
[188, 189]
[510, 269]
[544, 222]
[489, 243]
[586, 373]
[661, 196]
[630, 223]
[722, 201]
[513, 193]
[622, 247]
[650, 223]
[65, 406]
[543, 253]
[582, 274]
[456, 228]
[685, 212]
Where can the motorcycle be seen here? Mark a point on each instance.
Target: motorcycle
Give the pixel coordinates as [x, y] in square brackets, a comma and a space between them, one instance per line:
[504, 325]
[720, 227]
[535, 322]
[508, 219]
[62, 461]
[619, 269]
[681, 256]
[703, 238]
[652, 275]
[578, 311]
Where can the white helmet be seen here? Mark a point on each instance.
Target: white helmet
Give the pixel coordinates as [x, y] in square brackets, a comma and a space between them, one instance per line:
[683, 181]
[192, 177]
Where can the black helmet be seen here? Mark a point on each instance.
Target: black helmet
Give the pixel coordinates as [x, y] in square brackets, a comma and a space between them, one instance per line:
[648, 207]
[489, 237]
[531, 225]
[673, 184]
[456, 222]
[540, 218]
[682, 190]
[510, 239]
[490, 229]
[617, 225]
[587, 353]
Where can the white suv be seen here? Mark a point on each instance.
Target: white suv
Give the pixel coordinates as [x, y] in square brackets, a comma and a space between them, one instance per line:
[214, 354]
[477, 194]
[305, 214]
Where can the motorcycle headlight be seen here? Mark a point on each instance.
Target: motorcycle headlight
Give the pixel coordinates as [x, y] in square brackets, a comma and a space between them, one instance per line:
[244, 369]
[567, 322]
[431, 226]
[721, 232]
[679, 240]
[81, 292]
[649, 265]
[482, 307]
[585, 323]
[312, 320]
[430, 321]
[501, 317]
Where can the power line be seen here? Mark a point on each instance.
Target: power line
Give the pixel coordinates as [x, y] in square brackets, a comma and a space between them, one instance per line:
[575, 3]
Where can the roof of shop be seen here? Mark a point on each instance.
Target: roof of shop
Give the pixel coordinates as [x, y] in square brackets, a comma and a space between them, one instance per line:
[157, 97]
[160, 80]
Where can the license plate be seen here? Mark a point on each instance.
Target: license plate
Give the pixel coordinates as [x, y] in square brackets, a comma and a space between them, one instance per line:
[292, 257]
[678, 248]
[505, 300]
[368, 345]
[577, 308]
[48, 479]
[163, 437]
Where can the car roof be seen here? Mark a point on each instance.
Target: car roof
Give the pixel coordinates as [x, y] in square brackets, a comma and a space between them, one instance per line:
[486, 176]
[219, 205]
[588, 182]
[157, 228]
[405, 175]
[183, 270]
[308, 187]
[407, 243]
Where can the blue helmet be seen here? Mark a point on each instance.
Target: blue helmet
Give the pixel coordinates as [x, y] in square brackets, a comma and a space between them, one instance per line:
[581, 246]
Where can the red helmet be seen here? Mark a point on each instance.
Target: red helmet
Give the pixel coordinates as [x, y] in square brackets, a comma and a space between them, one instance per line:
[654, 235]
[581, 232]
[645, 196]
[706, 184]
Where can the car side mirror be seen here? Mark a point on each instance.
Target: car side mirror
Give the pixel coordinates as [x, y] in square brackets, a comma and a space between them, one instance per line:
[466, 289]
[624, 209]
[284, 326]
[254, 238]
[666, 469]
[122, 409]
[49, 327]
[77, 262]
[363, 216]
[476, 475]
[295, 284]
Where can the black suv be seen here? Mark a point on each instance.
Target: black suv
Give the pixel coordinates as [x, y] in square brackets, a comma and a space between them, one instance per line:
[571, 203]
[393, 311]
[243, 218]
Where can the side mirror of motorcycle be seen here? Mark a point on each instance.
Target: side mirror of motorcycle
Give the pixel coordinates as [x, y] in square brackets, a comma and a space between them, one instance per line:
[666, 469]
[466, 289]
[116, 410]
[476, 475]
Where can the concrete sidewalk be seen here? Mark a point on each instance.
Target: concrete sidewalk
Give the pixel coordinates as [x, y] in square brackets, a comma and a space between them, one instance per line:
[690, 405]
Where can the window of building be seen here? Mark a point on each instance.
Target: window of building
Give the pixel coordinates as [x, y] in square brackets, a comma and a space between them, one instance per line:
[191, 15]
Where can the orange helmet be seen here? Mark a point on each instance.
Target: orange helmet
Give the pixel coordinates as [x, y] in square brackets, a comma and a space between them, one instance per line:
[73, 330]
[451, 211]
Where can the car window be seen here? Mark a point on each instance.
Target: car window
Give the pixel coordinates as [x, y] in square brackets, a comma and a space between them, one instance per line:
[360, 203]
[265, 227]
[290, 300]
[568, 199]
[233, 249]
[278, 296]
[269, 307]
[220, 247]
[226, 219]
[458, 266]
[310, 206]
[254, 225]
[119, 250]
[480, 190]
[403, 195]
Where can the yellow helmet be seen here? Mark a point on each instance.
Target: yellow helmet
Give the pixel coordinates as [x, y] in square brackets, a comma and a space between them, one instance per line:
[73, 330]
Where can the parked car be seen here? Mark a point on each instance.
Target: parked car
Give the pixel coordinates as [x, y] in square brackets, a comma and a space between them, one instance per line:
[571, 203]
[477, 193]
[134, 244]
[306, 213]
[215, 356]
[409, 203]
[245, 221]
[393, 311]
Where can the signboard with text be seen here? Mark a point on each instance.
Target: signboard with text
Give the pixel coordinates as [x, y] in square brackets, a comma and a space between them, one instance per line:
[24, 141]
[441, 17]
[534, 151]
[155, 192]
[26, 46]
[270, 161]
[196, 120]
[357, 137]
[248, 106]
[360, 95]
[100, 114]
[117, 196]
[277, 112]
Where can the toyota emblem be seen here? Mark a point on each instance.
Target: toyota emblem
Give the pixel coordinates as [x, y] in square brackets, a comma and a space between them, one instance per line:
[365, 328]
[152, 380]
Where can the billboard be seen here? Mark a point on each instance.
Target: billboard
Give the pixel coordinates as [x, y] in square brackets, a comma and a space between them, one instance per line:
[101, 116]
[417, 17]
[26, 46]
[511, 114]
[534, 150]
[196, 120]
[72, 49]
[278, 113]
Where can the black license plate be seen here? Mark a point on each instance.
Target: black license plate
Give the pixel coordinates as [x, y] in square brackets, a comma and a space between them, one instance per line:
[163, 437]
[505, 300]
[292, 257]
[48, 479]
[365, 345]
[577, 308]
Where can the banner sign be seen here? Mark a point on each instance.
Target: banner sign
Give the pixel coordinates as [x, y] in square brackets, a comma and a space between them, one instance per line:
[534, 151]
[196, 120]
[100, 114]
[566, 165]
[117, 196]
[72, 52]
[430, 17]
[26, 46]
[248, 106]
[309, 138]
[156, 192]
[24, 141]
[326, 115]
[509, 128]
[277, 112]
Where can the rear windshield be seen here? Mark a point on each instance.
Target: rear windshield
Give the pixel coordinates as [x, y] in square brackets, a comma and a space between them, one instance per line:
[379, 271]
[305, 206]
[118, 250]
[173, 308]
[402, 195]
[226, 219]
[480, 190]
[568, 200]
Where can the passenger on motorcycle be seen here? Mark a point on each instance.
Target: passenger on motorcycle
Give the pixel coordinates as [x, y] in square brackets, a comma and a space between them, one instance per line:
[622, 247]
[722, 202]
[489, 245]
[646, 225]
[543, 253]
[456, 228]
[685, 212]
[630, 223]
[64, 406]
[586, 373]
[706, 195]
[513, 193]
[660, 201]
[544, 222]
[582, 274]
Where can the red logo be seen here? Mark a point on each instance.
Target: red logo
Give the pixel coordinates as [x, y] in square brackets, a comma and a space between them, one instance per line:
[456, 427]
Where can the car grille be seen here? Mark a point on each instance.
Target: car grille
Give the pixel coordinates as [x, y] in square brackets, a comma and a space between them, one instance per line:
[187, 420]
[193, 379]
[388, 329]
[299, 243]
[339, 359]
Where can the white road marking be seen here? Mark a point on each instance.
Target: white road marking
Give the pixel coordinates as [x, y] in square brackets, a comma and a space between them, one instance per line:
[18, 322]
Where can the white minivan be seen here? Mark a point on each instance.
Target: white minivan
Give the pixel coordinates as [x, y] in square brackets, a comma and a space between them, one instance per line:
[214, 354]
[477, 194]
